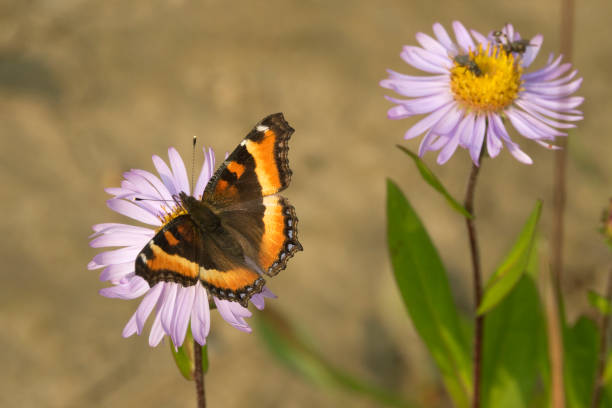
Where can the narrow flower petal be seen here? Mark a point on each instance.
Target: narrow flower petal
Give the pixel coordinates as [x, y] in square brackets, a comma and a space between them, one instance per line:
[182, 314]
[168, 303]
[532, 50]
[115, 272]
[136, 287]
[157, 184]
[431, 45]
[133, 211]
[463, 37]
[444, 39]
[117, 256]
[478, 138]
[130, 328]
[119, 239]
[157, 332]
[166, 175]
[147, 305]
[427, 122]
[179, 171]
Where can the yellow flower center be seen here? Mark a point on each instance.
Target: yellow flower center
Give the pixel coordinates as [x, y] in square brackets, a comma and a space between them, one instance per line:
[486, 83]
[169, 215]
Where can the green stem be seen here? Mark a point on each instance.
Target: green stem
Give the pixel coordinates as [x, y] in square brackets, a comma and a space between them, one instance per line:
[198, 375]
[477, 277]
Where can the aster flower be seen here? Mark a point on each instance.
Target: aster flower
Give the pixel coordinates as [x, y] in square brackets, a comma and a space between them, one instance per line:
[175, 305]
[478, 83]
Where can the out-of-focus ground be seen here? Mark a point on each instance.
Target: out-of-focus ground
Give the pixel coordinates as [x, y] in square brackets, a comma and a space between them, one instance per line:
[91, 89]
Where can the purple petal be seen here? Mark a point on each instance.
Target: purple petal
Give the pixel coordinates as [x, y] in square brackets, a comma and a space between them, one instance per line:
[467, 134]
[200, 315]
[449, 121]
[119, 239]
[178, 169]
[428, 121]
[544, 119]
[424, 146]
[111, 228]
[478, 139]
[452, 143]
[418, 106]
[481, 39]
[130, 328]
[500, 130]
[147, 304]
[463, 37]
[431, 79]
[420, 59]
[116, 256]
[116, 272]
[134, 288]
[431, 45]
[157, 184]
[532, 51]
[133, 211]
[549, 70]
[444, 38]
[417, 89]
[166, 174]
[205, 175]
[561, 105]
[168, 303]
[494, 143]
[258, 301]
[533, 107]
[226, 313]
[182, 314]
[157, 331]
[541, 130]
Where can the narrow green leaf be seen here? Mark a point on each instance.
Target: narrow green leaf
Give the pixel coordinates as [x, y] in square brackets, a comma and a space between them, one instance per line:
[292, 349]
[512, 268]
[184, 357]
[514, 341]
[431, 179]
[423, 285]
[599, 302]
[580, 344]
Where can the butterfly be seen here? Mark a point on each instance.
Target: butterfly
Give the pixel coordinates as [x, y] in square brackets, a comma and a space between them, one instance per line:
[240, 230]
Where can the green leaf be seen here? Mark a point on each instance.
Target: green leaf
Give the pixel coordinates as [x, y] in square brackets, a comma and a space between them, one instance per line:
[431, 179]
[423, 284]
[184, 357]
[599, 302]
[512, 268]
[514, 341]
[290, 347]
[580, 344]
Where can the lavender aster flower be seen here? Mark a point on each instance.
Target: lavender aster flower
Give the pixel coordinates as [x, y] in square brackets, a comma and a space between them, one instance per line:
[175, 305]
[477, 83]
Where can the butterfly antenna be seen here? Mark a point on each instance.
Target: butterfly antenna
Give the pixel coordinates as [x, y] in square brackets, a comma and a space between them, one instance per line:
[193, 163]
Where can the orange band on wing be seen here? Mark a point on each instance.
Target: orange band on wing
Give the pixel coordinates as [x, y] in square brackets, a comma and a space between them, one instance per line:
[161, 260]
[233, 280]
[274, 233]
[266, 167]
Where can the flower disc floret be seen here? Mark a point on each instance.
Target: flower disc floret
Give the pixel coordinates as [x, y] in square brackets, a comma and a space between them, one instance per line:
[497, 84]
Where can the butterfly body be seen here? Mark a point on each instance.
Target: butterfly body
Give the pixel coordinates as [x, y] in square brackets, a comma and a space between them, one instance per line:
[240, 230]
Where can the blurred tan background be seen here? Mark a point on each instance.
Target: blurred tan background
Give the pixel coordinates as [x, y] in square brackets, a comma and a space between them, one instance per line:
[91, 89]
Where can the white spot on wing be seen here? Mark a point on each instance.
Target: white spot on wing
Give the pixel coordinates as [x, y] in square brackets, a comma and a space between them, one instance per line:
[143, 257]
[262, 128]
[244, 142]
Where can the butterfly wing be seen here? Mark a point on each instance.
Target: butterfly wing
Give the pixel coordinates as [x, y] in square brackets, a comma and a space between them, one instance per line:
[181, 253]
[171, 255]
[243, 192]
